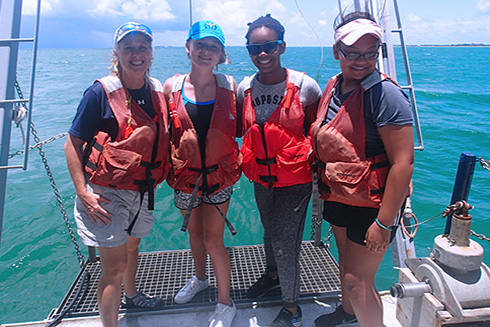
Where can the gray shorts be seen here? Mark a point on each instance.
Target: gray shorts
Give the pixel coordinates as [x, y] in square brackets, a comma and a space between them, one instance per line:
[123, 206]
[182, 200]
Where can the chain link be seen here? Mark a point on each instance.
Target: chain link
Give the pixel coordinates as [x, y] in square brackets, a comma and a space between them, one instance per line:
[479, 236]
[484, 163]
[39, 145]
[328, 240]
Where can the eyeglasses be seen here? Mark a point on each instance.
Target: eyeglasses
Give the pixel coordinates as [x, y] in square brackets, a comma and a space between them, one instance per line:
[126, 28]
[355, 55]
[134, 27]
[269, 47]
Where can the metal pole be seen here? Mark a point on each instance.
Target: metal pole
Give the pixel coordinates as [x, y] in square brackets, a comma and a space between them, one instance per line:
[190, 13]
[31, 90]
[10, 14]
[462, 184]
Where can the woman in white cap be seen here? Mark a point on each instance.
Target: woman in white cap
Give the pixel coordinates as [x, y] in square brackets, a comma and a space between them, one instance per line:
[363, 140]
[122, 116]
[205, 161]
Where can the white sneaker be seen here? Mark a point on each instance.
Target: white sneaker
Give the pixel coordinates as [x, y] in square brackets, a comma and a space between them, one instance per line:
[223, 315]
[191, 288]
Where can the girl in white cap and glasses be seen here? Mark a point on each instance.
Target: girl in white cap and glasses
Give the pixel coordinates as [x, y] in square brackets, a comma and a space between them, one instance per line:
[123, 116]
[363, 140]
[205, 161]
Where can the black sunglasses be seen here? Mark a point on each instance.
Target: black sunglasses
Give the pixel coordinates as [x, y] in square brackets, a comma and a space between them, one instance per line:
[269, 47]
[355, 55]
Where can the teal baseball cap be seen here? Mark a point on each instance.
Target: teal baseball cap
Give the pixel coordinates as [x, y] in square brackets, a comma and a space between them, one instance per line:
[206, 28]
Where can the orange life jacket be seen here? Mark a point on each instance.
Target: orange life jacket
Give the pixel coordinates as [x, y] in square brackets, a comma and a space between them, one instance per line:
[138, 158]
[222, 157]
[276, 154]
[345, 174]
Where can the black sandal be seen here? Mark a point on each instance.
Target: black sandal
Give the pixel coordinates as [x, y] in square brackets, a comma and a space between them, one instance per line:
[143, 301]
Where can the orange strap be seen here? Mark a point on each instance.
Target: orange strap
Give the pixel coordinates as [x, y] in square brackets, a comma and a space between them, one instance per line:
[173, 113]
[289, 96]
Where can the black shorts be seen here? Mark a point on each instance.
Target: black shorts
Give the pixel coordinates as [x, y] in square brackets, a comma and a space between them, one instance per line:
[355, 219]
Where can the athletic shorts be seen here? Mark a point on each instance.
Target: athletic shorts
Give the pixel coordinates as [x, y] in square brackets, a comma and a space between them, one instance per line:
[182, 200]
[356, 220]
[123, 206]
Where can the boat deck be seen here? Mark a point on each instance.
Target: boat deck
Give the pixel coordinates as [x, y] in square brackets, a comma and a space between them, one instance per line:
[164, 273]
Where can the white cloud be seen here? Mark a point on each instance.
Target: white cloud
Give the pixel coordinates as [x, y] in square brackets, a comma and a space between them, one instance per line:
[29, 7]
[413, 18]
[151, 10]
[448, 32]
[483, 6]
[298, 20]
[234, 15]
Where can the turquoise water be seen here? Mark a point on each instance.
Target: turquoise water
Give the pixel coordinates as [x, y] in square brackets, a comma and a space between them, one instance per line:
[37, 259]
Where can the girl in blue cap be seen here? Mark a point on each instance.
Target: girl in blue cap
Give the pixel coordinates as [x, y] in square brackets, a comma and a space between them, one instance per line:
[205, 161]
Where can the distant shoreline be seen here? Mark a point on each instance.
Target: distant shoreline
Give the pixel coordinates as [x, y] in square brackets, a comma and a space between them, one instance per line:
[449, 45]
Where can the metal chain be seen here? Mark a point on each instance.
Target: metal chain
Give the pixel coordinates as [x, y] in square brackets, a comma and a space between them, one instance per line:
[39, 145]
[484, 163]
[328, 240]
[479, 236]
[316, 221]
[58, 196]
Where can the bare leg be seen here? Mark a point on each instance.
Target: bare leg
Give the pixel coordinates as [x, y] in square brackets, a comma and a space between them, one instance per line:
[113, 261]
[360, 267]
[129, 278]
[196, 241]
[340, 240]
[213, 240]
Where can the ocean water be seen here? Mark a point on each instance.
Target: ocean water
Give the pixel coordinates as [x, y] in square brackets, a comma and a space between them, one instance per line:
[37, 260]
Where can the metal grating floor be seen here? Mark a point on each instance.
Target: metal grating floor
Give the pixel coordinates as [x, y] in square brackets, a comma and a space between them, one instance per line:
[164, 273]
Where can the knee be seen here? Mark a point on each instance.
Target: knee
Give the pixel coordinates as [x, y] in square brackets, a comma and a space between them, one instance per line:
[114, 272]
[213, 244]
[352, 283]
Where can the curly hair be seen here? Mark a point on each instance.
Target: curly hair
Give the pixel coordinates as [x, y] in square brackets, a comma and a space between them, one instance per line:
[266, 21]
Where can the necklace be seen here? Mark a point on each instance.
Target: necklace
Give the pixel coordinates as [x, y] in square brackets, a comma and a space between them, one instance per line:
[128, 130]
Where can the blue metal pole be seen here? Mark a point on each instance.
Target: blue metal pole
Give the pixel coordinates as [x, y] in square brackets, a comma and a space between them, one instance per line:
[462, 184]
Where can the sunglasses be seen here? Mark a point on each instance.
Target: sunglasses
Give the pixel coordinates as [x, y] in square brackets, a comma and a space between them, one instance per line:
[131, 27]
[355, 55]
[269, 47]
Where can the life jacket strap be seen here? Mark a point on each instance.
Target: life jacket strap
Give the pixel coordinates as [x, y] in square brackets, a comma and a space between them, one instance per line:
[379, 165]
[188, 212]
[266, 161]
[205, 171]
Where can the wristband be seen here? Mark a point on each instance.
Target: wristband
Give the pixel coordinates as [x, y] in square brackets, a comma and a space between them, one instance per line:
[382, 226]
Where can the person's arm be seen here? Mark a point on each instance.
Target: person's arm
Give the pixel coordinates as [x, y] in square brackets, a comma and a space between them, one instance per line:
[398, 142]
[90, 201]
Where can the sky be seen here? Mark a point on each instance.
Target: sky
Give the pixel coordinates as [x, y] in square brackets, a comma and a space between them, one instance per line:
[91, 23]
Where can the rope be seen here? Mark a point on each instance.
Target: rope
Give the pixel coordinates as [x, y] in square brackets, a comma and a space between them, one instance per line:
[83, 285]
[318, 38]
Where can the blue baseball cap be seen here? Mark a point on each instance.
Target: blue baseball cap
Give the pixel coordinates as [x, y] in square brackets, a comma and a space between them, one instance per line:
[206, 28]
[132, 27]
